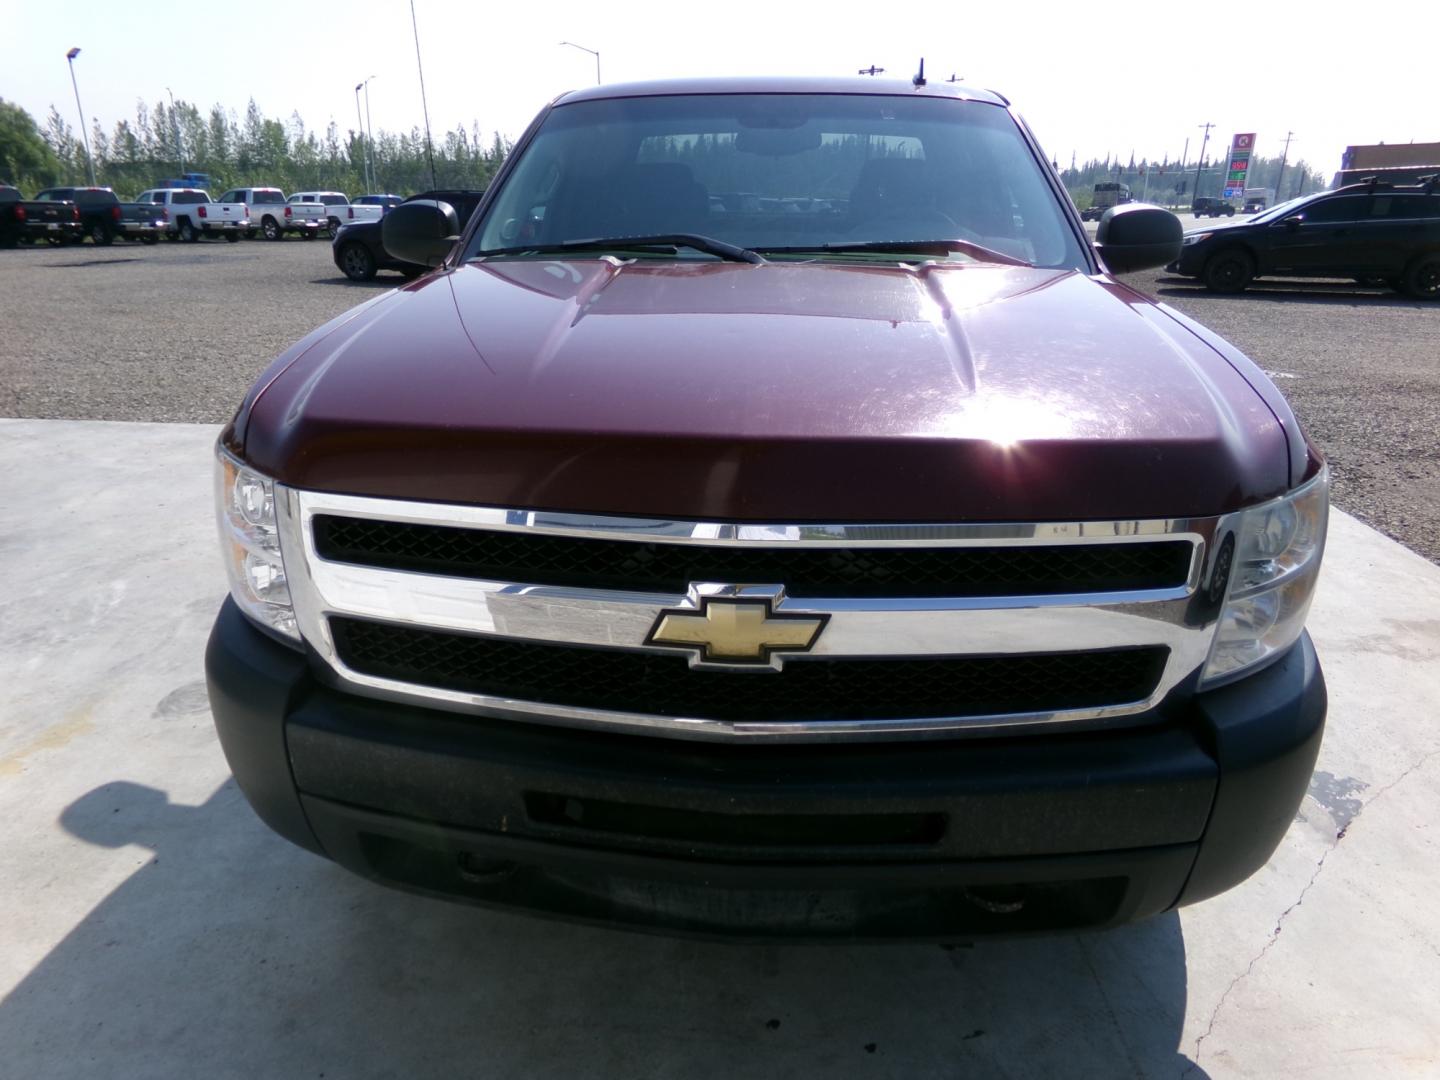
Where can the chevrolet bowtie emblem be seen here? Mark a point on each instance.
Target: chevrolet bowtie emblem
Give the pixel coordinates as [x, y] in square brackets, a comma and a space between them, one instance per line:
[735, 631]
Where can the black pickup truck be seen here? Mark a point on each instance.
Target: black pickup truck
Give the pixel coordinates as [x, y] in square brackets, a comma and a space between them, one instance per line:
[22, 219]
[104, 217]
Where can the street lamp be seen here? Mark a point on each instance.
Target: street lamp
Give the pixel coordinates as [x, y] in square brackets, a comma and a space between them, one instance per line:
[592, 52]
[84, 132]
[360, 129]
[175, 128]
[370, 134]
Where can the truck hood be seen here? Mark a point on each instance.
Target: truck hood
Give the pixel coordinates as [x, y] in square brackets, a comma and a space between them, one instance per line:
[785, 392]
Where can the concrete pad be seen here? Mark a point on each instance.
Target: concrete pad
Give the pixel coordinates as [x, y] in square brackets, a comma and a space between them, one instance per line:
[151, 927]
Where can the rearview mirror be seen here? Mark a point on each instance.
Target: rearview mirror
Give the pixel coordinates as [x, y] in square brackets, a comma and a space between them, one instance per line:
[1138, 237]
[421, 232]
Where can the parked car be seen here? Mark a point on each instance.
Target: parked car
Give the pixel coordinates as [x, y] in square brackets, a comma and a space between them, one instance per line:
[104, 217]
[385, 202]
[898, 572]
[1205, 206]
[1374, 233]
[271, 216]
[359, 249]
[35, 219]
[338, 208]
[193, 214]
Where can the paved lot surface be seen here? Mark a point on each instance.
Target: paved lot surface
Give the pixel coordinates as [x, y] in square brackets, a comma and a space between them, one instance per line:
[178, 332]
[151, 927]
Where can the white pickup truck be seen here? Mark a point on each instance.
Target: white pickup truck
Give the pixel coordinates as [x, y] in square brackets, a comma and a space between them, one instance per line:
[339, 210]
[273, 217]
[193, 214]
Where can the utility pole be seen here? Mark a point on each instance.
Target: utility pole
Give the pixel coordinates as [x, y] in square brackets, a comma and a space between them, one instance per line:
[592, 52]
[424, 105]
[1285, 154]
[84, 131]
[175, 129]
[1198, 164]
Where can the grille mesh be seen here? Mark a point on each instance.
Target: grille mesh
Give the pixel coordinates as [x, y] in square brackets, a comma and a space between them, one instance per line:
[643, 566]
[807, 689]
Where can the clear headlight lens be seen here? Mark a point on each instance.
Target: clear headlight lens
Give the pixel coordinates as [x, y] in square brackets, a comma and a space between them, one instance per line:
[1194, 238]
[1278, 547]
[250, 544]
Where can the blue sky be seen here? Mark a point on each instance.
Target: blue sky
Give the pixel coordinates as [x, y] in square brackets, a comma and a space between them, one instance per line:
[1091, 78]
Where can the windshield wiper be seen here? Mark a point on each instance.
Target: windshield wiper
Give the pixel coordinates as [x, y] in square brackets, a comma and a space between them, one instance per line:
[904, 247]
[708, 244]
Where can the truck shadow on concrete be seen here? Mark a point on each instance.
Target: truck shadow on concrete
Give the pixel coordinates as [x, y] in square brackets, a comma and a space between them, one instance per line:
[229, 953]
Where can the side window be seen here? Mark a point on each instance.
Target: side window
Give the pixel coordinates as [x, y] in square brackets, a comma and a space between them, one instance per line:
[1402, 207]
[1343, 208]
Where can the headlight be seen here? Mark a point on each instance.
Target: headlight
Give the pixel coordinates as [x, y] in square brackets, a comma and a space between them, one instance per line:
[1276, 561]
[250, 543]
[1194, 238]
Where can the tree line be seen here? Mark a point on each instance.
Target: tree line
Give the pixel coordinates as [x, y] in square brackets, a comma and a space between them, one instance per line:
[252, 150]
[1170, 183]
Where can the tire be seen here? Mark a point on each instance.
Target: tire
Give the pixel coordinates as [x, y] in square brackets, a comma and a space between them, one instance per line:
[187, 231]
[149, 241]
[1228, 271]
[101, 235]
[356, 262]
[271, 228]
[232, 237]
[334, 224]
[1422, 279]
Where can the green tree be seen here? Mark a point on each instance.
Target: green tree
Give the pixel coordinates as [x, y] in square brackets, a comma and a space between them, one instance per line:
[26, 160]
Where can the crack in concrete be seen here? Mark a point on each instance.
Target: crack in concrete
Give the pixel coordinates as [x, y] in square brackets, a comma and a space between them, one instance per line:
[1194, 1062]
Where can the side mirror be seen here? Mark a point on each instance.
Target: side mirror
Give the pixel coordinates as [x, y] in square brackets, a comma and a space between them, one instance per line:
[1138, 237]
[421, 232]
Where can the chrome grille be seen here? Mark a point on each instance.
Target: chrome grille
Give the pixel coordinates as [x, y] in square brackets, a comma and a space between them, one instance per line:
[546, 617]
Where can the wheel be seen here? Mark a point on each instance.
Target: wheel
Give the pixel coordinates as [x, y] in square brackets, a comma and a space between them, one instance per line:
[1229, 271]
[357, 262]
[232, 237]
[1422, 280]
[101, 234]
[149, 240]
[334, 223]
[271, 228]
[187, 231]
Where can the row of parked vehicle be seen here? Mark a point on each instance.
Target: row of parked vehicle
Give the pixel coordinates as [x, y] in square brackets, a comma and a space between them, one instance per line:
[70, 214]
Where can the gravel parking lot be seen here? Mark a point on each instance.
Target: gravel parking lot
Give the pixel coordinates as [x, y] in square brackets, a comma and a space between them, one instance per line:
[178, 332]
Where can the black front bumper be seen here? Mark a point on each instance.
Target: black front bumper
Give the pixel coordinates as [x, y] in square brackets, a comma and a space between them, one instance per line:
[928, 840]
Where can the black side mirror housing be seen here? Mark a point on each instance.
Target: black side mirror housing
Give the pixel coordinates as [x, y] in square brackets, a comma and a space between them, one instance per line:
[420, 232]
[1138, 237]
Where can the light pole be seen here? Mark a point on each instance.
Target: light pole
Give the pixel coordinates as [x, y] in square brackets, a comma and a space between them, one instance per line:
[1198, 164]
[84, 132]
[175, 130]
[592, 52]
[360, 126]
[1281, 174]
[370, 134]
[429, 145]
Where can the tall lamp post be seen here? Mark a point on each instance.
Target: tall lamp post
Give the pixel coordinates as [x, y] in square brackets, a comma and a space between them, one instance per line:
[592, 52]
[370, 134]
[360, 126]
[175, 130]
[84, 132]
[1200, 163]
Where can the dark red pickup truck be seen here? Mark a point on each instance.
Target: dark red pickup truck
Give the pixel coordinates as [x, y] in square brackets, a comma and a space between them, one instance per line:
[774, 520]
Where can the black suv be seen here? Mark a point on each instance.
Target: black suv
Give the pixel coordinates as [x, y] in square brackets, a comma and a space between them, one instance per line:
[1205, 206]
[359, 248]
[1373, 233]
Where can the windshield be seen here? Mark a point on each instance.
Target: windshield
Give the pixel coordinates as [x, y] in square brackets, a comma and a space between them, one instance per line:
[772, 171]
[1282, 209]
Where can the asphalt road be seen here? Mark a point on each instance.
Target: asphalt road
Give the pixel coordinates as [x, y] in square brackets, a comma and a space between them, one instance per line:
[178, 332]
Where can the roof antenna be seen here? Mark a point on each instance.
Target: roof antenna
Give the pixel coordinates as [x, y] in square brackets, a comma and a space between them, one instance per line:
[919, 79]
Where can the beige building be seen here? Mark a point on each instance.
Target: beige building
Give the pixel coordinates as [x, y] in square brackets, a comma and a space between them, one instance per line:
[1390, 155]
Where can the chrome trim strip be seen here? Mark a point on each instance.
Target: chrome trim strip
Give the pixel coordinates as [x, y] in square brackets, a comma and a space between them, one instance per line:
[857, 627]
